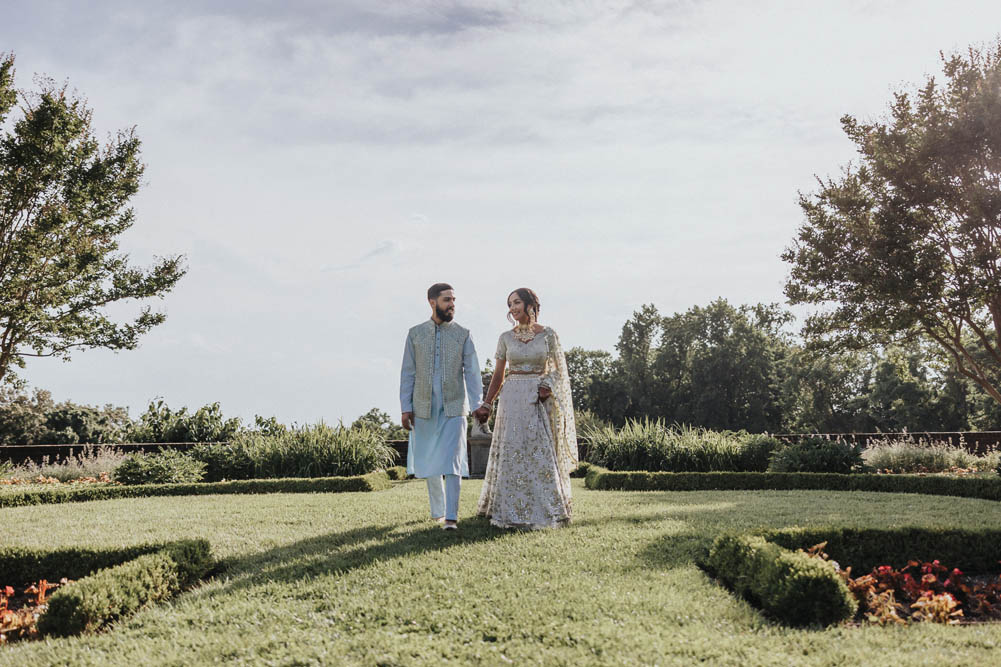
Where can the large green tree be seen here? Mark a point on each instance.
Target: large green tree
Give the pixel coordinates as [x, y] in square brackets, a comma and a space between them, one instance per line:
[64, 202]
[719, 366]
[907, 243]
[590, 374]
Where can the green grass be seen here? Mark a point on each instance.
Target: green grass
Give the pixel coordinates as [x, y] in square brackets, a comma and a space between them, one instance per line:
[363, 578]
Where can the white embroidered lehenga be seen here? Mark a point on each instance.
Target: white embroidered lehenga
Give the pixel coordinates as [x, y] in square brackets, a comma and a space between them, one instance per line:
[534, 448]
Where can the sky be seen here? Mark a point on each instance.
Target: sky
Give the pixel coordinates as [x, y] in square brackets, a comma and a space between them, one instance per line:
[320, 163]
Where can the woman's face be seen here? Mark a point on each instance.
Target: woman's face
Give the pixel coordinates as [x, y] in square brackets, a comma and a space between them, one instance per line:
[517, 307]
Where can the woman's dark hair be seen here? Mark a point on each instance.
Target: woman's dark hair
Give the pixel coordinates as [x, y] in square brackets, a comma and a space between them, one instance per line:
[529, 298]
[435, 290]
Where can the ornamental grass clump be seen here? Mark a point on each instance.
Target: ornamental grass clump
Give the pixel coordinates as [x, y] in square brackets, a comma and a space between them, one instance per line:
[90, 462]
[651, 445]
[910, 456]
[317, 450]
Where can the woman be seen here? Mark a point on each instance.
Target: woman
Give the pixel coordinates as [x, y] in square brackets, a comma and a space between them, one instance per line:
[534, 449]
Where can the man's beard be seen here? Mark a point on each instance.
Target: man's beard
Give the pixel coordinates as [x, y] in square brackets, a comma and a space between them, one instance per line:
[444, 316]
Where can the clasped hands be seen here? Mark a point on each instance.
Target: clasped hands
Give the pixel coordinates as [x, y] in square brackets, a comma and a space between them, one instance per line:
[481, 414]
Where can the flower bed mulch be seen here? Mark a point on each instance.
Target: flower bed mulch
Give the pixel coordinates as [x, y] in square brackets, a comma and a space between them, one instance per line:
[920, 592]
[19, 612]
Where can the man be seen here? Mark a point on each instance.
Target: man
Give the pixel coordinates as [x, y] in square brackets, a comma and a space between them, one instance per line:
[438, 359]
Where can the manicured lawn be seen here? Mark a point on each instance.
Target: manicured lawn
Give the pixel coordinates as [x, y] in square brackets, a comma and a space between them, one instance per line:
[363, 578]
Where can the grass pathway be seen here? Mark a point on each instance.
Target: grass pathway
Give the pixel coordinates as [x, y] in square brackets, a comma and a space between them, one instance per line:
[365, 579]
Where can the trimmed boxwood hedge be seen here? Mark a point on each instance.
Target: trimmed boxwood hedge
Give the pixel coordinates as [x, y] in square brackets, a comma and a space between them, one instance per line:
[109, 583]
[396, 473]
[374, 481]
[988, 488]
[865, 548]
[791, 586]
[98, 600]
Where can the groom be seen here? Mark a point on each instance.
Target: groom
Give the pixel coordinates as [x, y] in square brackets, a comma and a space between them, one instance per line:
[438, 359]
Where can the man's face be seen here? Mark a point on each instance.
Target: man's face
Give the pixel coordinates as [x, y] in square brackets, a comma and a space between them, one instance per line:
[444, 305]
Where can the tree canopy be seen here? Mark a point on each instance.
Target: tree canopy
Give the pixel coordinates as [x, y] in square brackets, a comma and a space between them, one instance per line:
[906, 244]
[723, 366]
[64, 203]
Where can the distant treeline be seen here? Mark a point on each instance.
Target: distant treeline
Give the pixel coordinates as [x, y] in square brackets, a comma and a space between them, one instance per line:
[720, 367]
[35, 419]
[727, 367]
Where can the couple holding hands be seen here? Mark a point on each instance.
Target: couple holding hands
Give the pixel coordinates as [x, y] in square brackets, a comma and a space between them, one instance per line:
[534, 447]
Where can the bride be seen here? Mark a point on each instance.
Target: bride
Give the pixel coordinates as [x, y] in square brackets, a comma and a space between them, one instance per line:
[534, 449]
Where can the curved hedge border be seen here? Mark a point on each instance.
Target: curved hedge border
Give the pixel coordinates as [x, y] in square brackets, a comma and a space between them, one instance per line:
[800, 590]
[110, 583]
[966, 487]
[791, 586]
[374, 481]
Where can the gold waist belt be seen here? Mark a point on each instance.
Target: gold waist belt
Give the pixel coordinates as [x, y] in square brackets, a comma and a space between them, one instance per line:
[525, 372]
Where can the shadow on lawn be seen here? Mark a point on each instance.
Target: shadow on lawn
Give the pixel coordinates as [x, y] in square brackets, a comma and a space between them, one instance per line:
[343, 552]
[673, 550]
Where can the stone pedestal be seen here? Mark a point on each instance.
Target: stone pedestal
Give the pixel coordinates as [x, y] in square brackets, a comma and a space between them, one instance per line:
[479, 451]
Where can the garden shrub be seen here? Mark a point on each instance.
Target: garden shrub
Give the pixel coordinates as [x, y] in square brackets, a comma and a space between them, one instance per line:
[581, 469]
[756, 451]
[375, 481]
[168, 466]
[229, 460]
[789, 585]
[111, 593]
[316, 450]
[814, 454]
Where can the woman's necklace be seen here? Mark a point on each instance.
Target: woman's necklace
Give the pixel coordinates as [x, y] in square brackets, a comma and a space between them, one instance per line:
[524, 332]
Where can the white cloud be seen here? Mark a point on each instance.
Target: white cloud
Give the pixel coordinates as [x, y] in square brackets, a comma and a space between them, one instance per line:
[321, 163]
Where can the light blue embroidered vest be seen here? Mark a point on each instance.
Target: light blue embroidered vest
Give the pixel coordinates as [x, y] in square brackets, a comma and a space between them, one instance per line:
[453, 338]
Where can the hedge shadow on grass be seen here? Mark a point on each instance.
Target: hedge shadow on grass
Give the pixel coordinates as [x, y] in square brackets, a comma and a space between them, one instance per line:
[676, 550]
[335, 553]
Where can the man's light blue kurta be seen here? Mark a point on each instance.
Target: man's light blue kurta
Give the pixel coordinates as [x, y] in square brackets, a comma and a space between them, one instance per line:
[438, 445]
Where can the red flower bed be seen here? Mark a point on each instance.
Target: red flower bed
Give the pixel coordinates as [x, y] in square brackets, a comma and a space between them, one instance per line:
[19, 612]
[920, 592]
